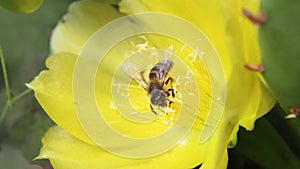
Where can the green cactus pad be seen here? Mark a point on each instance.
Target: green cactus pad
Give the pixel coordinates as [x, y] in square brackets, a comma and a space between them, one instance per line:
[279, 40]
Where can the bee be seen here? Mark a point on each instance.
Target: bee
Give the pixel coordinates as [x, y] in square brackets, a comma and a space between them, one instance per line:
[155, 88]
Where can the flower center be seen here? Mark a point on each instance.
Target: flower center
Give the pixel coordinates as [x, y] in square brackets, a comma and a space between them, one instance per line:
[140, 100]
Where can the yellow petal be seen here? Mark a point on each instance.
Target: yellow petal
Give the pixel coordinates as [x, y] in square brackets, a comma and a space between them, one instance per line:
[268, 100]
[206, 15]
[53, 90]
[65, 151]
[246, 93]
[81, 21]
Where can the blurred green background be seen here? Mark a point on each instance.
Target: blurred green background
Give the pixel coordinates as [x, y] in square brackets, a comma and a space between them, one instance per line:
[274, 144]
[24, 39]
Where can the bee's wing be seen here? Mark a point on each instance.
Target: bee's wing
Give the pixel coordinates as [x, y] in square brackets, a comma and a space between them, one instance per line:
[139, 78]
[132, 71]
[162, 68]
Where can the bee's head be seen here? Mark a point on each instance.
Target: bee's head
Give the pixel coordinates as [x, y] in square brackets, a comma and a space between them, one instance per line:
[158, 97]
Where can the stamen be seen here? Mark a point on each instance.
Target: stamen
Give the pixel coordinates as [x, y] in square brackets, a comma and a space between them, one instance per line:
[196, 54]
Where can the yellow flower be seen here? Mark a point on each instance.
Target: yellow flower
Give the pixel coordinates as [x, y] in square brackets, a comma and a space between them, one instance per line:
[202, 126]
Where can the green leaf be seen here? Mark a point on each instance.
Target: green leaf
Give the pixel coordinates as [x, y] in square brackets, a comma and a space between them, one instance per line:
[21, 6]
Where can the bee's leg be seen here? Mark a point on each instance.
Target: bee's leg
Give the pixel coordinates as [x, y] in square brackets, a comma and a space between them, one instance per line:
[170, 102]
[168, 94]
[172, 91]
[162, 109]
[152, 109]
[169, 80]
